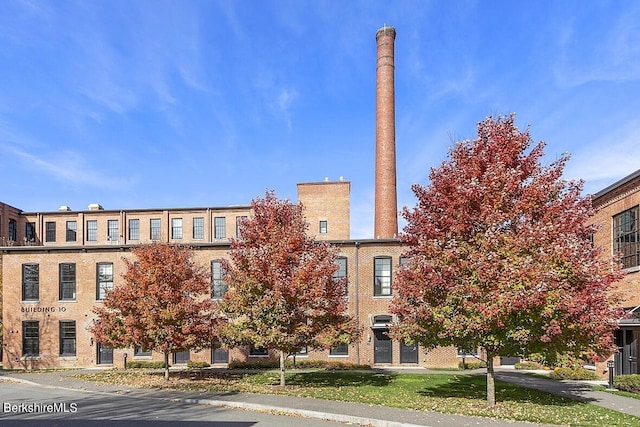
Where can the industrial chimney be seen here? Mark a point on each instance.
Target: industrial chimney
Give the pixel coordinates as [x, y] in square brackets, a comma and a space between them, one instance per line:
[386, 204]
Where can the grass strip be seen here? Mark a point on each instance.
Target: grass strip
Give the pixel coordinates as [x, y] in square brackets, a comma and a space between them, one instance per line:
[445, 393]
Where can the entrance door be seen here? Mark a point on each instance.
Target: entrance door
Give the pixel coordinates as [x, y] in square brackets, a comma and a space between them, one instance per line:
[408, 353]
[181, 357]
[104, 355]
[219, 354]
[381, 347]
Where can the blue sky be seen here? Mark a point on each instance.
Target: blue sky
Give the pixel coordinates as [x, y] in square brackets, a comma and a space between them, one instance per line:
[136, 104]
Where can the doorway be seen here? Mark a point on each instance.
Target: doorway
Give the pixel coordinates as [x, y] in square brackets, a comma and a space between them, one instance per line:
[219, 354]
[408, 353]
[104, 355]
[382, 346]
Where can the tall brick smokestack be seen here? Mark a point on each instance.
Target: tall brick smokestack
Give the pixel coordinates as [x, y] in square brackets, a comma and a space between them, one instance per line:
[386, 205]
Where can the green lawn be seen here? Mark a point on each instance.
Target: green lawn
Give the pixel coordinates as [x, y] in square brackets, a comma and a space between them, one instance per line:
[446, 393]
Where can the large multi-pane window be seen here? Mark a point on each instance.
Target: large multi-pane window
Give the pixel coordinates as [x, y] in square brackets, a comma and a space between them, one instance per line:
[219, 227]
[92, 230]
[13, 230]
[218, 286]
[72, 230]
[30, 338]
[198, 228]
[625, 237]
[154, 225]
[104, 279]
[67, 275]
[67, 338]
[382, 276]
[112, 230]
[134, 229]
[176, 228]
[50, 231]
[239, 220]
[30, 282]
[30, 232]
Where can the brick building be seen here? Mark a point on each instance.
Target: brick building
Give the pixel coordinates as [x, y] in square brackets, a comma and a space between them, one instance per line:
[617, 215]
[57, 265]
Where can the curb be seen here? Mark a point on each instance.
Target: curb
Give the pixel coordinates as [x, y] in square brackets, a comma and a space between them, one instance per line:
[300, 412]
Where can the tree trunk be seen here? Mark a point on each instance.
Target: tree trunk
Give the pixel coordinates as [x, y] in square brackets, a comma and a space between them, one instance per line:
[166, 365]
[282, 358]
[491, 385]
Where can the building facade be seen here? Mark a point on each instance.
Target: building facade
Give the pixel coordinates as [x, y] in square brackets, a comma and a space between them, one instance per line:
[617, 209]
[57, 266]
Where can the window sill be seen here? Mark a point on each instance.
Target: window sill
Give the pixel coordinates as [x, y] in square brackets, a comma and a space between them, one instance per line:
[339, 355]
[382, 296]
[69, 357]
[259, 355]
[25, 358]
[631, 269]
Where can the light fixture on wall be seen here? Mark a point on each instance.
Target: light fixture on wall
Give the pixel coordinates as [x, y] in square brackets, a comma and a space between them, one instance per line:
[369, 338]
[91, 341]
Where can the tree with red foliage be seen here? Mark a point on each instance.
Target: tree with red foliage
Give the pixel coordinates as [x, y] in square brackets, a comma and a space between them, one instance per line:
[163, 305]
[500, 256]
[281, 291]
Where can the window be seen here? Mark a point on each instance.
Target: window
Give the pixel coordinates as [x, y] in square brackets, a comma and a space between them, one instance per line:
[50, 235]
[403, 260]
[30, 282]
[219, 227]
[13, 230]
[104, 279]
[218, 286]
[112, 230]
[92, 230]
[134, 229]
[625, 237]
[339, 350]
[30, 338]
[341, 272]
[239, 220]
[155, 229]
[198, 228]
[176, 228]
[72, 228]
[323, 227]
[140, 352]
[382, 276]
[259, 352]
[67, 281]
[304, 352]
[67, 338]
[30, 231]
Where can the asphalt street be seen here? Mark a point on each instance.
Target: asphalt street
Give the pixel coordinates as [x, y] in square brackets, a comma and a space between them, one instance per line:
[77, 408]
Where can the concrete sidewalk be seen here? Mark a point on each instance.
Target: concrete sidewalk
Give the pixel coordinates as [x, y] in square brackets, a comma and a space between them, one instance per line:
[346, 412]
[577, 390]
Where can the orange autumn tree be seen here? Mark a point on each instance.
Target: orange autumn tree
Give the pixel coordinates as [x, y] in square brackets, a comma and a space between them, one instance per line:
[500, 256]
[163, 305]
[281, 291]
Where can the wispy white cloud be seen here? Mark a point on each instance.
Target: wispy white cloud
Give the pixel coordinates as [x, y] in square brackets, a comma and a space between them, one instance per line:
[612, 56]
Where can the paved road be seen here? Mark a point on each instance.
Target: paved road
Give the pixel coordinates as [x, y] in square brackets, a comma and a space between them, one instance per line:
[77, 408]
